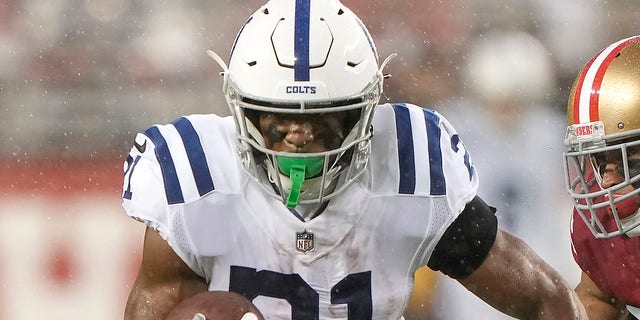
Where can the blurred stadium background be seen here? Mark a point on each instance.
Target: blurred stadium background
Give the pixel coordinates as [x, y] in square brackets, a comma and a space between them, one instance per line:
[79, 78]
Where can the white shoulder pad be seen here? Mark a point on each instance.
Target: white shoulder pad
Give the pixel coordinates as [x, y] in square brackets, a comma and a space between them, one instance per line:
[424, 148]
[178, 163]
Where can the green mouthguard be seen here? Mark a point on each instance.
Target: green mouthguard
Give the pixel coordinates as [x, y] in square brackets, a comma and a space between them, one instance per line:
[298, 169]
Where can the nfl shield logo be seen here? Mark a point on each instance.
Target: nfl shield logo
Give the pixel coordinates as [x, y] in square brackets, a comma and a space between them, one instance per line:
[304, 241]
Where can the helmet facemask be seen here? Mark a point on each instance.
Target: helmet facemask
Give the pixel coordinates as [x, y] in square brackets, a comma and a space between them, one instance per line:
[306, 177]
[608, 209]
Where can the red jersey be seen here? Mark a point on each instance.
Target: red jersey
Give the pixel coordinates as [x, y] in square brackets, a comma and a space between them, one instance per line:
[613, 264]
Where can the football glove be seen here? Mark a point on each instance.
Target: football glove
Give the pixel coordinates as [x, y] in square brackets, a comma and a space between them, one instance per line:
[246, 316]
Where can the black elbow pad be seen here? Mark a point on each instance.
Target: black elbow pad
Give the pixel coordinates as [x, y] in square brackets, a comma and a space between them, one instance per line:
[467, 241]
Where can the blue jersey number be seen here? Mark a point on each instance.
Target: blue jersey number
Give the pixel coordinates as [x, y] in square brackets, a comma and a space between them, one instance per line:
[455, 140]
[354, 291]
[131, 165]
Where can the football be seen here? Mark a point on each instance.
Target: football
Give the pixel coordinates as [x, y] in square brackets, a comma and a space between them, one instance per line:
[214, 305]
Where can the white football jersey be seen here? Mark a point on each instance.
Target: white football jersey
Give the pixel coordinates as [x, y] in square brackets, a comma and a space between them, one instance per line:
[356, 260]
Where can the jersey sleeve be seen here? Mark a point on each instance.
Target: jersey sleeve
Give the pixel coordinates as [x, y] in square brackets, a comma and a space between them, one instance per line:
[425, 151]
[151, 192]
[175, 169]
[421, 159]
[417, 153]
[168, 167]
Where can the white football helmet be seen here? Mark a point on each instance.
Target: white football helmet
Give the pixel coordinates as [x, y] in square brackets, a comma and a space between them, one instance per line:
[604, 127]
[303, 57]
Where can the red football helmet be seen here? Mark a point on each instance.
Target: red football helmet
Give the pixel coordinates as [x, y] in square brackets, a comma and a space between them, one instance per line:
[604, 128]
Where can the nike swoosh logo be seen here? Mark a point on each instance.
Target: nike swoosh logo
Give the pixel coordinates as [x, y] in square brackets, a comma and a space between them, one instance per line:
[140, 147]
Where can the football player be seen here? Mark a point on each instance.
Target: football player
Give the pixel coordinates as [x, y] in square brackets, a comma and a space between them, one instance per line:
[313, 201]
[603, 177]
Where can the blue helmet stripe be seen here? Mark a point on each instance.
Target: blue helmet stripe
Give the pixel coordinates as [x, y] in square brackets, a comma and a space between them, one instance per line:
[438, 183]
[195, 153]
[168, 168]
[301, 44]
[406, 158]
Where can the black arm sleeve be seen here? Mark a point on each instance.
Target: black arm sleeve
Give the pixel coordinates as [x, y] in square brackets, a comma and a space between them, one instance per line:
[467, 241]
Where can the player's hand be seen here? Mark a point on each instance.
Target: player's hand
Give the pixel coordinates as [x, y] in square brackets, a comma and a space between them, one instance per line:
[215, 305]
[246, 316]
[199, 316]
[249, 316]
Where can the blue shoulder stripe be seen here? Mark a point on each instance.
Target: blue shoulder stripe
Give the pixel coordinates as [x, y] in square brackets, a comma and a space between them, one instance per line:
[406, 158]
[438, 184]
[195, 153]
[168, 168]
